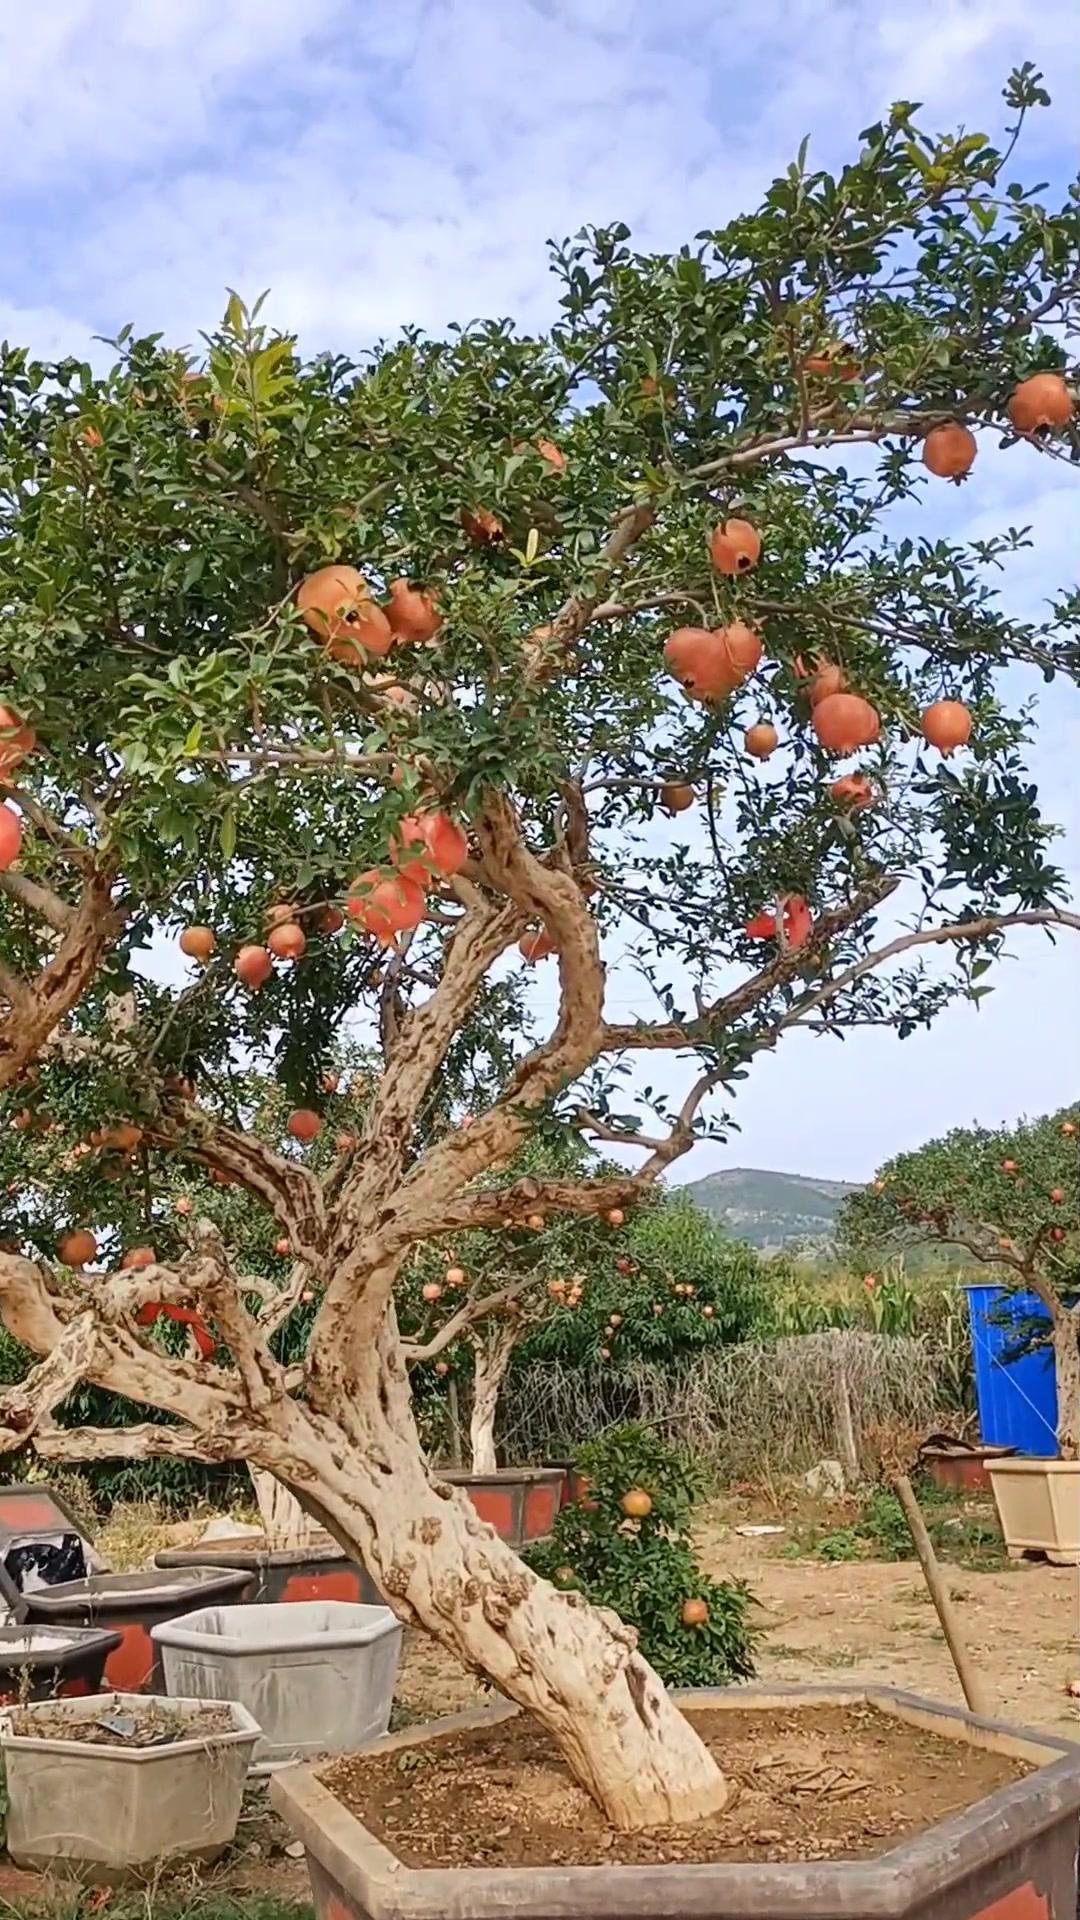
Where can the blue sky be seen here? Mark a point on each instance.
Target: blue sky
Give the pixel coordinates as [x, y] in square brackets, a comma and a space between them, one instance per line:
[377, 161]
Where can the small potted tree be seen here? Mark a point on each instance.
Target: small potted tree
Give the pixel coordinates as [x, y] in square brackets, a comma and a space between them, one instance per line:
[1009, 1196]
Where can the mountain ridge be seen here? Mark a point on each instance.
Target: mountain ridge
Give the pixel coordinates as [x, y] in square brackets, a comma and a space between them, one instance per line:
[771, 1209]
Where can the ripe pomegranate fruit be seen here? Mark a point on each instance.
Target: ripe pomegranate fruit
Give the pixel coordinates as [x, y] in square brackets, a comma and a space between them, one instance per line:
[553, 455]
[854, 791]
[1040, 404]
[253, 966]
[1057, 1195]
[454, 1277]
[798, 923]
[10, 838]
[198, 943]
[695, 1613]
[281, 914]
[761, 739]
[482, 527]
[676, 797]
[123, 1138]
[443, 841]
[369, 633]
[336, 605]
[78, 1249]
[735, 547]
[304, 1124]
[411, 613]
[1068, 1128]
[136, 1258]
[637, 1504]
[345, 1142]
[331, 920]
[385, 904]
[537, 945]
[949, 451]
[282, 1248]
[1057, 1233]
[844, 722]
[826, 678]
[947, 725]
[288, 942]
[16, 741]
[615, 1217]
[712, 661]
[535, 1222]
[431, 1290]
[1008, 1166]
[184, 1204]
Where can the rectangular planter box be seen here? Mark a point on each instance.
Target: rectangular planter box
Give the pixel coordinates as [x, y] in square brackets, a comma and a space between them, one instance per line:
[111, 1814]
[521, 1503]
[317, 1677]
[961, 1470]
[317, 1571]
[1011, 1856]
[1038, 1503]
[129, 1604]
[52, 1663]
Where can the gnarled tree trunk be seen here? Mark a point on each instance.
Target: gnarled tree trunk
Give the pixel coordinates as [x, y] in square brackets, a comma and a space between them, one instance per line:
[1066, 1338]
[493, 1346]
[359, 1468]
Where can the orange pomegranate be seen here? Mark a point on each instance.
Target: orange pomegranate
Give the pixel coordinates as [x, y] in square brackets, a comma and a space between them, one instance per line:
[136, 1258]
[123, 1138]
[444, 842]
[695, 1613]
[1057, 1195]
[345, 1142]
[412, 614]
[78, 1249]
[947, 725]
[288, 941]
[369, 633]
[535, 1222]
[735, 547]
[744, 650]
[281, 914]
[637, 1504]
[825, 679]
[455, 1276]
[16, 740]
[761, 739]
[1068, 1128]
[697, 657]
[253, 966]
[615, 1217]
[949, 451]
[385, 904]
[333, 600]
[304, 1124]
[331, 1082]
[184, 1204]
[844, 721]
[553, 455]
[10, 838]
[854, 791]
[675, 797]
[1040, 404]
[431, 1291]
[198, 943]
[537, 945]
[483, 527]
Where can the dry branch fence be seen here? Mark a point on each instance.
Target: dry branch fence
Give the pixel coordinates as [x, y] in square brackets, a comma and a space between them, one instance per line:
[749, 1412]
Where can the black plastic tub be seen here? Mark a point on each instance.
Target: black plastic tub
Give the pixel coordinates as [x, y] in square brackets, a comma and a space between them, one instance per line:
[129, 1604]
[55, 1662]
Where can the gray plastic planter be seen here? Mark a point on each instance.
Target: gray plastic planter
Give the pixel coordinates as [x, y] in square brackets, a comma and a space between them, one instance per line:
[317, 1676]
[111, 1814]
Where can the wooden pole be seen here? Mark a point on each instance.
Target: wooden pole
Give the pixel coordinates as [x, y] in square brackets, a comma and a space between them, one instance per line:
[970, 1681]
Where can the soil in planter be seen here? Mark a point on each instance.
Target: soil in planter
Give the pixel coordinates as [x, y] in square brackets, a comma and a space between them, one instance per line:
[810, 1783]
[149, 1723]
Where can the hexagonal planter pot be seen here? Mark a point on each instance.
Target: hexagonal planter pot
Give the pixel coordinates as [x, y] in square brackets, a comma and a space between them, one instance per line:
[130, 1604]
[521, 1503]
[1009, 1856]
[52, 1663]
[316, 1571]
[110, 1812]
[317, 1677]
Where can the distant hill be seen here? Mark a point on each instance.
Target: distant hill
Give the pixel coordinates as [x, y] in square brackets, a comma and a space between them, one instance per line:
[771, 1210]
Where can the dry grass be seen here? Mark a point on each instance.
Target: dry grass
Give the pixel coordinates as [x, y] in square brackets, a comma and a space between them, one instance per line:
[753, 1411]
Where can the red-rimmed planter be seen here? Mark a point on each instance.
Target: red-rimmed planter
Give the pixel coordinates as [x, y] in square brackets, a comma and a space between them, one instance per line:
[574, 1486]
[129, 1604]
[52, 1663]
[521, 1503]
[316, 1571]
[956, 1467]
[1010, 1856]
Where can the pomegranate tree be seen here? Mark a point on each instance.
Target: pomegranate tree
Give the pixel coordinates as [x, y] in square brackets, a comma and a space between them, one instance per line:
[202, 728]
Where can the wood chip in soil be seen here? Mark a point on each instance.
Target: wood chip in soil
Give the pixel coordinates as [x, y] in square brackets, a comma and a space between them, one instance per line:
[807, 1783]
[152, 1723]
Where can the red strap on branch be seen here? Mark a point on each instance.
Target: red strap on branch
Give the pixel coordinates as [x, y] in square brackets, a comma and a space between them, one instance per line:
[185, 1317]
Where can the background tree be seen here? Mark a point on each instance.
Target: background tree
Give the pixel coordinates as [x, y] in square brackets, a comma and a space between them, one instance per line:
[1011, 1197]
[203, 725]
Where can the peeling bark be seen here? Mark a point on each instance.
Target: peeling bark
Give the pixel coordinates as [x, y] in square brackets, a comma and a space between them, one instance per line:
[493, 1349]
[1066, 1338]
[87, 934]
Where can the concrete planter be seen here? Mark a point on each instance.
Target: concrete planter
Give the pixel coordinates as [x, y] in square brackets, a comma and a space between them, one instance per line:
[317, 1677]
[112, 1814]
[1038, 1503]
[130, 1604]
[316, 1571]
[1011, 1856]
[52, 1663]
[521, 1503]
